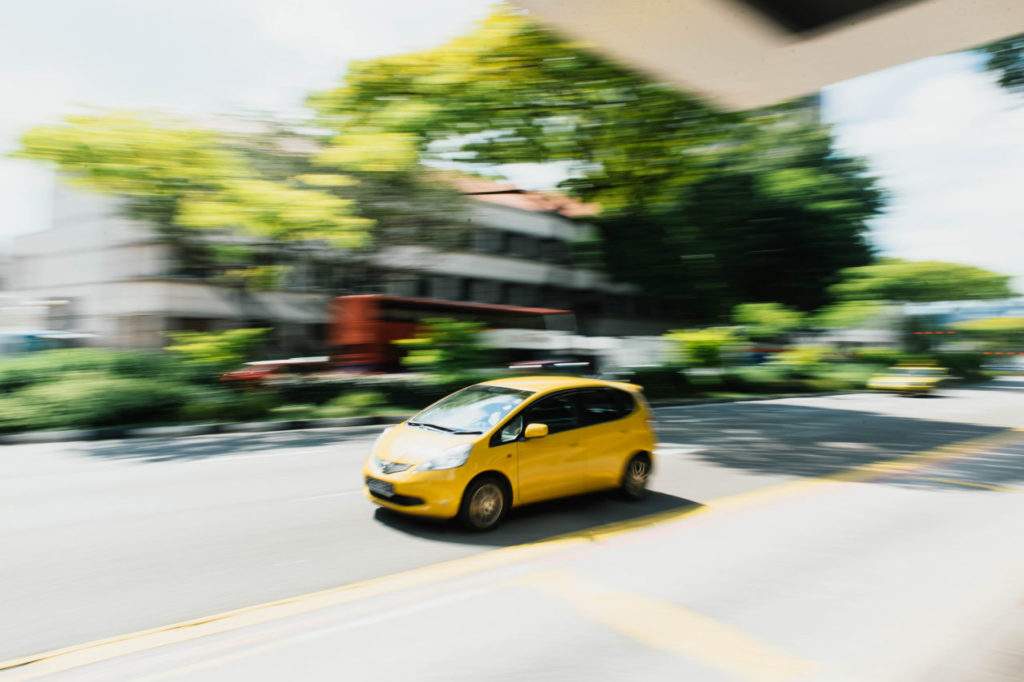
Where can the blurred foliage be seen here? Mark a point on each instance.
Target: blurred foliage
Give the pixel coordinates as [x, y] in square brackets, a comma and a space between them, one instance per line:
[179, 176]
[219, 403]
[704, 347]
[705, 207]
[766, 320]
[21, 371]
[893, 279]
[850, 315]
[511, 91]
[801, 360]
[1006, 58]
[445, 346]
[996, 331]
[967, 366]
[354, 404]
[86, 387]
[216, 351]
[260, 180]
[91, 399]
[774, 217]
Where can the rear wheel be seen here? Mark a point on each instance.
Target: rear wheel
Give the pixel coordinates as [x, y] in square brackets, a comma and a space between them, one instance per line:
[484, 504]
[634, 478]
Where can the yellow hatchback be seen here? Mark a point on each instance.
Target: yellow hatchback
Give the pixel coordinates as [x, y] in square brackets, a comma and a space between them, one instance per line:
[490, 447]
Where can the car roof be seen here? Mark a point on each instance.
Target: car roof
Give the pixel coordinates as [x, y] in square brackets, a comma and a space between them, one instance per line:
[546, 384]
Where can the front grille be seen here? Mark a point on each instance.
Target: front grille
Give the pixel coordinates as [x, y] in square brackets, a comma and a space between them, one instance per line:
[403, 500]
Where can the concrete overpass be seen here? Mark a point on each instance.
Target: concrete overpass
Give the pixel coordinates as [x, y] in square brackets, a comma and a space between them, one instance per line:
[743, 54]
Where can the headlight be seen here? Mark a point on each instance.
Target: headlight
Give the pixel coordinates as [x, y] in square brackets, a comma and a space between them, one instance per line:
[449, 459]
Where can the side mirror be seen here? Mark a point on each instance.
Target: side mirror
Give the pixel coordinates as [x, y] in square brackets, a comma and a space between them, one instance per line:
[536, 431]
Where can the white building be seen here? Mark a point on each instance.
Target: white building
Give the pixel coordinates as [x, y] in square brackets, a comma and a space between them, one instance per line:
[126, 285]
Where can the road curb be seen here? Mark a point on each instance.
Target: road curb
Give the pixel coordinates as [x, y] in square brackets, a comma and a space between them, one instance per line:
[181, 431]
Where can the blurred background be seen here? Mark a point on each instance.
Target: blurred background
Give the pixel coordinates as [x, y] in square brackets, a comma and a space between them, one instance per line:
[236, 211]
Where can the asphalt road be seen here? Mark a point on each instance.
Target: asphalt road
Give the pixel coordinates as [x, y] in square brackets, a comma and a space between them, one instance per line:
[910, 574]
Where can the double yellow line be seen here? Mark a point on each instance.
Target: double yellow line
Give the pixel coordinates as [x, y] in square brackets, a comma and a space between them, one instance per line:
[69, 658]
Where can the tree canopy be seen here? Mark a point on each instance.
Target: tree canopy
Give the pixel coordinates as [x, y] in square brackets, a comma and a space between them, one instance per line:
[181, 176]
[511, 91]
[706, 207]
[893, 279]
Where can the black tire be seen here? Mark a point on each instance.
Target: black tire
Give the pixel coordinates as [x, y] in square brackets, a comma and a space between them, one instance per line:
[635, 477]
[484, 504]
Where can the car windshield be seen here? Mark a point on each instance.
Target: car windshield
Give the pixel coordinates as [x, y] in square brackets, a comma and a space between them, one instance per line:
[472, 410]
[916, 372]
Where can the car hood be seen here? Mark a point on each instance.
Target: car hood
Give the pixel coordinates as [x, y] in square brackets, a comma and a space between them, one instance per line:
[412, 445]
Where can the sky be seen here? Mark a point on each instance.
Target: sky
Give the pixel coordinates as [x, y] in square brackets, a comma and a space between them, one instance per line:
[945, 141]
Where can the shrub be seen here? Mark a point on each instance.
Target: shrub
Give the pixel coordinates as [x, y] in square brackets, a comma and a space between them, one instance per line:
[91, 400]
[354, 404]
[219, 404]
[55, 365]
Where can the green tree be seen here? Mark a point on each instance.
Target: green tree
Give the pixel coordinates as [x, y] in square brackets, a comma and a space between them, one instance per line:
[892, 279]
[179, 176]
[708, 208]
[704, 347]
[512, 91]
[445, 346]
[766, 320]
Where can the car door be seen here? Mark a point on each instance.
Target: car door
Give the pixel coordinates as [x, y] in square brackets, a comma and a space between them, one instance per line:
[554, 465]
[606, 434]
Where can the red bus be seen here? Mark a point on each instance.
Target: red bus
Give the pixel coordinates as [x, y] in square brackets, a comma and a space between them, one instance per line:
[363, 328]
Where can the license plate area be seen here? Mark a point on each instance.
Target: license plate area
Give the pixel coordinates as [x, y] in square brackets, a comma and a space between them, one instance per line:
[380, 487]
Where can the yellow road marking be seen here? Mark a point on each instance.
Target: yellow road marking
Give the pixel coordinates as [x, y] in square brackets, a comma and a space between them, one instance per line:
[662, 625]
[106, 649]
[969, 484]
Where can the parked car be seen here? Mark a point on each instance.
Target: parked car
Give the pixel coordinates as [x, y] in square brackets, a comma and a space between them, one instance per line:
[500, 444]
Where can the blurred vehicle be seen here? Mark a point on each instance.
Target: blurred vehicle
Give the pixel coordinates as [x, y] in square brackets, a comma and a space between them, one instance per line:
[501, 444]
[272, 371]
[365, 327]
[909, 379]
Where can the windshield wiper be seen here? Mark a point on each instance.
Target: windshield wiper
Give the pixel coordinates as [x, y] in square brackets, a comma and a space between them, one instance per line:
[464, 433]
[425, 425]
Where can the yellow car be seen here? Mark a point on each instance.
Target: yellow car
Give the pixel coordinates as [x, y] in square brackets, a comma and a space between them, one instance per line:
[490, 447]
[909, 379]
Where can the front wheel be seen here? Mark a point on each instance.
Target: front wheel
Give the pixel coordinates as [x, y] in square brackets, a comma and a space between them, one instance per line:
[634, 478]
[483, 504]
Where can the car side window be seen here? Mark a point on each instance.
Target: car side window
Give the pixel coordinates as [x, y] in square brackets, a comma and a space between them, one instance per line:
[603, 405]
[511, 431]
[557, 411]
